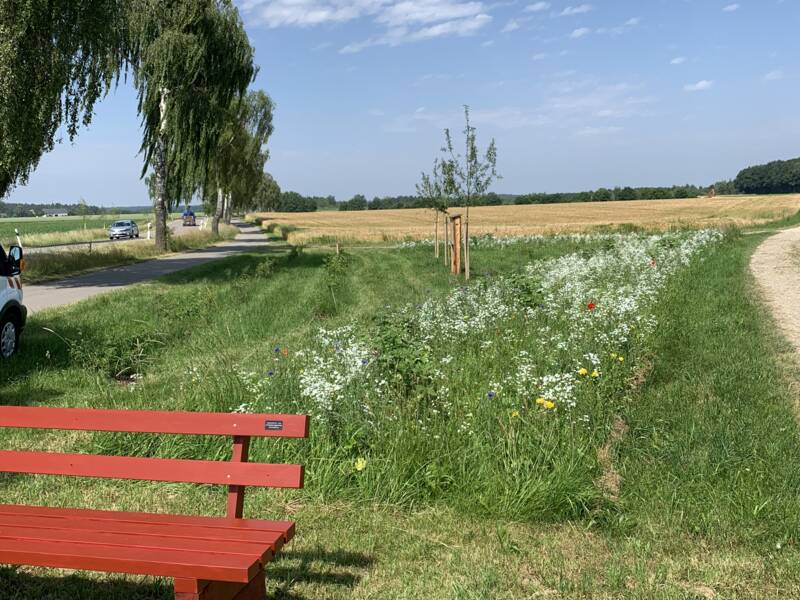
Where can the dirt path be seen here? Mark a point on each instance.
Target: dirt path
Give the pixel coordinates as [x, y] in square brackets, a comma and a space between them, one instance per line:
[776, 267]
[75, 289]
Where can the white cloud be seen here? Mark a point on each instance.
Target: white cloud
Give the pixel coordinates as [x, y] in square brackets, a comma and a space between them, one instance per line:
[731, 8]
[487, 43]
[700, 86]
[512, 25]
[539, 56]
[580, 32]
[537, 7]
[597, 131]
[620, 29]
[307, 13]
[775, 75]
[398, 36]
[572, 106]
[427, 11]
[678, 60]
[575, 10]
[404, 21]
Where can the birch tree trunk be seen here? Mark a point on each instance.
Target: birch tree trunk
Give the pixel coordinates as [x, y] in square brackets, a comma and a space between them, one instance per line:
[160, 173]
[228, 208]
[218, 210]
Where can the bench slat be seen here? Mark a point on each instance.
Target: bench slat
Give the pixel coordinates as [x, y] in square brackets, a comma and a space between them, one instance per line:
[117, 559]
[152, 469]
[151, 421]
[259, 551]
[215, 524]
[195, 532]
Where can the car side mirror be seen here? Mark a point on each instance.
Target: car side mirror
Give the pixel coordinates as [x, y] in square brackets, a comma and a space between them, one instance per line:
[15, 263]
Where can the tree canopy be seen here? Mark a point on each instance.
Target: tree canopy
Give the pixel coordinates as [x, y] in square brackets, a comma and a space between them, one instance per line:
[776, 177]
[193, 58]
[57, 59]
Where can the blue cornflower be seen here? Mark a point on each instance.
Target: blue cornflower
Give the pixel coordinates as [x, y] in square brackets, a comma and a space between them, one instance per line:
[270, 373]
[277, 349]
[491, 394]
[365, 361]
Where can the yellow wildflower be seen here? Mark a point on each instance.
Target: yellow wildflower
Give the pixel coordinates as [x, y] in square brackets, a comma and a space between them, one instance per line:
[621, 359]
[514, 414]
[613, 355]
[583, 372]
[595, 373]
[541, 401]
[361, 463]
[549, 405]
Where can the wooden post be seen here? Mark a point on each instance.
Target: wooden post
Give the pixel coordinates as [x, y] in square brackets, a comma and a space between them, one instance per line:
[446, 238]
[436, 234]
[241, 446]
[455, 262]
[466, 245]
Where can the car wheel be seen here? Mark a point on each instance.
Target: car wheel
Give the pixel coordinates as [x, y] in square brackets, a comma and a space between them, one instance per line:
[9, 336]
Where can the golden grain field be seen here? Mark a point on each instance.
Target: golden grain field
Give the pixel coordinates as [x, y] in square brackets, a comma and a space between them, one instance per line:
[395, 225]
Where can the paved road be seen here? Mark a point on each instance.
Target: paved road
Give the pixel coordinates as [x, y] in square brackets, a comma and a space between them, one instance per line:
[75, 289]
[175, 226]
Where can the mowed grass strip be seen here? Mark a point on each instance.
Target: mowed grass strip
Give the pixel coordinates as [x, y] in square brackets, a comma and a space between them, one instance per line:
[397, 225]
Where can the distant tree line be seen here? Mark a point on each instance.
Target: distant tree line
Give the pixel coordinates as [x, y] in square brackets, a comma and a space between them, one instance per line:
[776, 177]
[359, 202]
[626, 193]
[19, 209]
[269, 197]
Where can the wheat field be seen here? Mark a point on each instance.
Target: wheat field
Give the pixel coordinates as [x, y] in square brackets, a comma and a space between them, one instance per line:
[396, 225]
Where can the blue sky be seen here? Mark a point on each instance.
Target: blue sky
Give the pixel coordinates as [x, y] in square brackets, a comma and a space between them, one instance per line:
[577, 95]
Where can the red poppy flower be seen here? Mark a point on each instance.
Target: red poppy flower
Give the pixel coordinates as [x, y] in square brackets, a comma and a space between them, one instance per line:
[591, 306]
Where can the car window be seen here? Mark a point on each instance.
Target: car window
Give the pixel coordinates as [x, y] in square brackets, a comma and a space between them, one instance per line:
[120, 224]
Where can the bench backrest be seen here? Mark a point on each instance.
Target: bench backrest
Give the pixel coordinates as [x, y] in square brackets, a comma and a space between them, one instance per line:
[236, 474]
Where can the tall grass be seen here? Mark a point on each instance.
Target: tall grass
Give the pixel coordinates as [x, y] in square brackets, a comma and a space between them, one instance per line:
[482, 397]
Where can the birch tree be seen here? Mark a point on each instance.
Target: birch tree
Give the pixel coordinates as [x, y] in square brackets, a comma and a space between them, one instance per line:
[192, 60]
[469, 174]
[432, 189]
[237, 169]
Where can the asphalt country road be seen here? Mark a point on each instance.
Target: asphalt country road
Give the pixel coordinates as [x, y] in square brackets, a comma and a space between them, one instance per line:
[75, 289]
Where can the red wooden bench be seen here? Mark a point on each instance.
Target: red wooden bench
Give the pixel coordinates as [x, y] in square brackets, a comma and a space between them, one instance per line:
[213, 558]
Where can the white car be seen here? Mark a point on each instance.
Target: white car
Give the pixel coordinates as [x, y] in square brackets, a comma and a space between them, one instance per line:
[123, 229]
[13, 313]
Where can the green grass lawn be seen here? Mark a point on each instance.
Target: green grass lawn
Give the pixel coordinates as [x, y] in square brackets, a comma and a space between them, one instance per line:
[682, 484]
[33, 226]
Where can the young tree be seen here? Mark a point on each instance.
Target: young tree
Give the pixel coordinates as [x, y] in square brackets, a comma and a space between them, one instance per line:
[192, 60]
[469, 175]
[431, 190]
